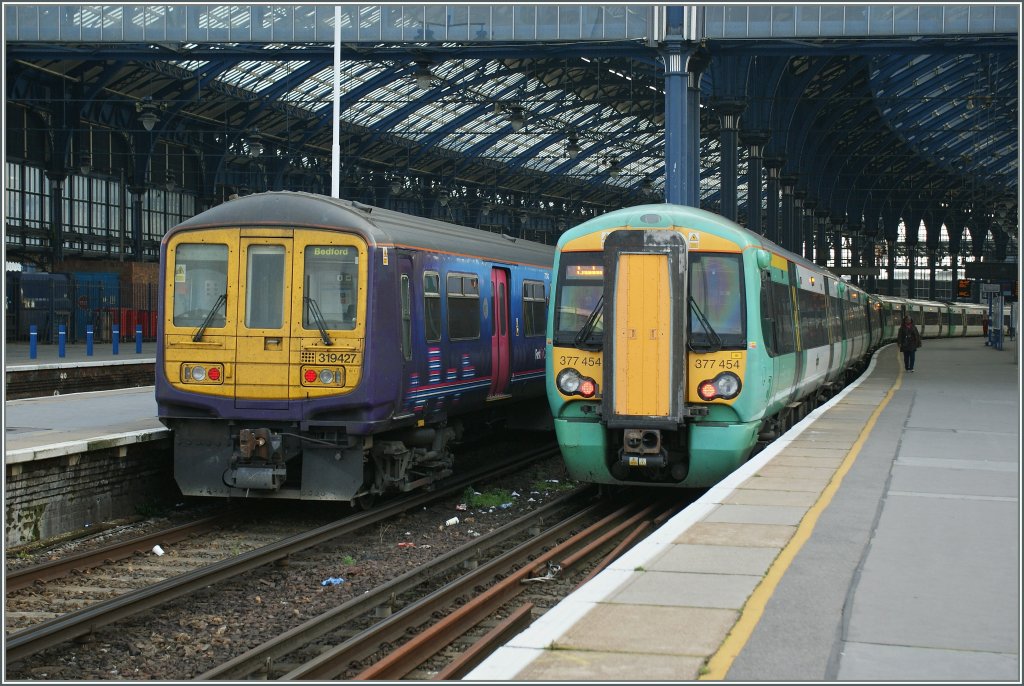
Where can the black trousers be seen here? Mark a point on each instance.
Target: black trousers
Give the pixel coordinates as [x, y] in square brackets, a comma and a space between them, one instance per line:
[908, 359]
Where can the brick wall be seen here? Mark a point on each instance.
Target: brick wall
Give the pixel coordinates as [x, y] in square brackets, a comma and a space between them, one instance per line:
[49, 498]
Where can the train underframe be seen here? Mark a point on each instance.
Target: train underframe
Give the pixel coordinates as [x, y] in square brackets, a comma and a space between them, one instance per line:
[227, 458]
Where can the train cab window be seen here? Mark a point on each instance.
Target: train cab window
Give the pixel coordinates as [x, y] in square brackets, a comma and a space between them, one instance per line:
[200, 284]
[580, 289]
[331, 273]
[534, 308]
[716, 289]
[264, 299]
[431, 307]
[463, 292]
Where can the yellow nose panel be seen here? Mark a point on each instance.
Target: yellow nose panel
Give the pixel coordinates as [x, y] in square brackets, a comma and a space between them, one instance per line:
[643, 320]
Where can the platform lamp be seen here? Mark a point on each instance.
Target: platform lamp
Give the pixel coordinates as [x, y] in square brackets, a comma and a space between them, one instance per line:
[517, 117]
[255, 142]
[424, 77]
[147, 110]
[572, 148]
[85, 164]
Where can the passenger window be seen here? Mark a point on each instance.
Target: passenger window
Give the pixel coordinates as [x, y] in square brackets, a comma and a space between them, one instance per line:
[463, 292]
[431, 307]
[534, 308]
[200, 281]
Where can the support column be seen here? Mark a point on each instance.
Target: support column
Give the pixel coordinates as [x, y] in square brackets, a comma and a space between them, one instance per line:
[679, 180]
[729, 112]
[56, 179]
[695, 66]
[807, 222]
[911, 258]
[772, 230]
[821, 237]
[786, 233]
[931, 276]
[837, 233]
[755, 142]
[137, 194]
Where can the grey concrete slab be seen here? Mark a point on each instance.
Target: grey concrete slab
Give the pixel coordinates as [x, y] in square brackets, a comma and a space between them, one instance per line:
[941, 573]
[725, 591]
[757, 514]
[754, 496]
[930, 479]
[713, 559]
[872, 662]
[585, 665]
[694, 631]
[724, 533]
[966, 444]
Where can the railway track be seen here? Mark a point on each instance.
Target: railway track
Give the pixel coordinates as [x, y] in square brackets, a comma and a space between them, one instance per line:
[82, 617]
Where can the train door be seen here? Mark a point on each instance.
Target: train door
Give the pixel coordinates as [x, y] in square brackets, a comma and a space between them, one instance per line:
[406, 299]
[500, 357]
[264, 297]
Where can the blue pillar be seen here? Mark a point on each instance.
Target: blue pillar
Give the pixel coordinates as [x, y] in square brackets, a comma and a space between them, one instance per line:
[807, 222]
[115, 337]
[695, 67]
[677, 151]
[88, 340]
[786, 230]
[771, 229]
[755, 140]
[62, 340]
[33, 341]
[138, 338]
[729, 113]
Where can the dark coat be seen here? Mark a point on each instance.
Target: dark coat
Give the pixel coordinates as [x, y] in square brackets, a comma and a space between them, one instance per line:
[908, 338]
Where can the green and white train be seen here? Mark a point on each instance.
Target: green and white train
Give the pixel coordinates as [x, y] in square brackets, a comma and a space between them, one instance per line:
[678, 340]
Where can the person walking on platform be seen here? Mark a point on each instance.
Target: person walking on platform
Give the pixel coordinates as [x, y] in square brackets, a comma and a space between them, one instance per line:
[909, 340]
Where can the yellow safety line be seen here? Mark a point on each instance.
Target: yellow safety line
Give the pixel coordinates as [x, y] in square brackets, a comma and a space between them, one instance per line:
[719, 663]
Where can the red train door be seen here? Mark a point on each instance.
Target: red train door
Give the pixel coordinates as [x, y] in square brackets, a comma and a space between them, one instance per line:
[500, 364]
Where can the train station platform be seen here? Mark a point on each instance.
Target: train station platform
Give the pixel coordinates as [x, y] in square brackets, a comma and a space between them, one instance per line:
[55, 425]
[879, 539]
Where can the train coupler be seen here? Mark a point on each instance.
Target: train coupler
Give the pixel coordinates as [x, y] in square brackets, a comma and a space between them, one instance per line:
[259, 463]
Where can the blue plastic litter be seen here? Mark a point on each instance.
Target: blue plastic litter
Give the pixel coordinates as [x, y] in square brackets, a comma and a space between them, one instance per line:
[332, 581]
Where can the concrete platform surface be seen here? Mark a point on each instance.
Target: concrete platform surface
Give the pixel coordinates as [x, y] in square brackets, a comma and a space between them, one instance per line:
[878, 540]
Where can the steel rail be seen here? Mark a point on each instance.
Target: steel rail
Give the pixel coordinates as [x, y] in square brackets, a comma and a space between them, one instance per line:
[56, 569]
[260, 656]
[403, 659]
[330, 664]
[72, 625]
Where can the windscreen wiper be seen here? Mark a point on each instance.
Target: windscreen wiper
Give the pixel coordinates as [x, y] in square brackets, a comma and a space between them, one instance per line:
[198, 335]
[318, 318]
[714, 340]
[583, 334]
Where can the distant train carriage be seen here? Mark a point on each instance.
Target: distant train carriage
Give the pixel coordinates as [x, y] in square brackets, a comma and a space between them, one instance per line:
[314, 348]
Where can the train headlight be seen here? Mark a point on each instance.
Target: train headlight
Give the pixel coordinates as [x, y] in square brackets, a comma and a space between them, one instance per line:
[319, 376]
[204, 373]
[571, 382]
[724, 386]
[568, 381]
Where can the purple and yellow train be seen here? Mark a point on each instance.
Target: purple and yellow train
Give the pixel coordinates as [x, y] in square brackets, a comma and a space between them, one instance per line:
[314, 348]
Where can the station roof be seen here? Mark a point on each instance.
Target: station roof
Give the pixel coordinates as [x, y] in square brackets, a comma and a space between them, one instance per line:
[566, 121]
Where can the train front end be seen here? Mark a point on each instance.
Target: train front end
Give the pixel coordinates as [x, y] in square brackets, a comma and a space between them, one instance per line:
[260, 368]
[649, 366]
